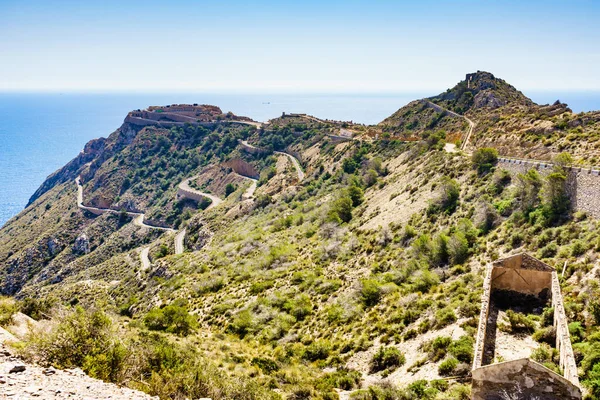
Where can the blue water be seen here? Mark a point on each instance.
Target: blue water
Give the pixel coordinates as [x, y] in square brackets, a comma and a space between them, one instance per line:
[39, 133]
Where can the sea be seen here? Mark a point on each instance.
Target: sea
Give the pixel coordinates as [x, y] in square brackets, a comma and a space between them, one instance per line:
[41, 132]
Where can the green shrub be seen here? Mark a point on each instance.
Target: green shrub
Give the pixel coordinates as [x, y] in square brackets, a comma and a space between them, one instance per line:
[447, 366]
[447, 201]
[519, 322]
[85, 339]
[317, 350]
[387, 358]
[484, 159]
[37, 308]
[439, 347]
[299, 307]
[444, 317]
[8, 307]
[265, 364]
[370, 292]
[458, 248]
[356, 194]
[341, 210]
[243, 323]
[345, 379]
[462, 349]
[173, 318]
[229, 188]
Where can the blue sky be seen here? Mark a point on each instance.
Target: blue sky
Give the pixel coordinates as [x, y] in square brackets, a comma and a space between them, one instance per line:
[309, 46]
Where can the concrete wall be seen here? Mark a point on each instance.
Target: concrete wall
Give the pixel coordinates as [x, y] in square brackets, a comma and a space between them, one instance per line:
[583, 184]
[521, 379]
[521, 280]
[483, 317]
[563, 340]
[524, 274]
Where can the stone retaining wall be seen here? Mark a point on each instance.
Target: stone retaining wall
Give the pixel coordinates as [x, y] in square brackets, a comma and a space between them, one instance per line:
[188, 194]
[583, 184]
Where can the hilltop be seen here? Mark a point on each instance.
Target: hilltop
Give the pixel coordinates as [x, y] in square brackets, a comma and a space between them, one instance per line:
[209, 255]
[505, 119]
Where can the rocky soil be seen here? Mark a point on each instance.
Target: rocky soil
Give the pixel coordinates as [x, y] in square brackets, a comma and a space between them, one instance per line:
[20, 380]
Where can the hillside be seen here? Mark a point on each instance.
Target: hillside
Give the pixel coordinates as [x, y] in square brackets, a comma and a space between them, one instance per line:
[504, 119]
[333, 261]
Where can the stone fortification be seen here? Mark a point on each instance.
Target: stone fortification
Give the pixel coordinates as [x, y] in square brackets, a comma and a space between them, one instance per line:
[583, 184]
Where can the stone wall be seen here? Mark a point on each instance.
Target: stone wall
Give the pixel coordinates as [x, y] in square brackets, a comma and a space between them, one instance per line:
[583, 184]
[243, 168]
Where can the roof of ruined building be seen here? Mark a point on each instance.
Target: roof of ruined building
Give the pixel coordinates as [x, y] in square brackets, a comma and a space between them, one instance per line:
[523, 261]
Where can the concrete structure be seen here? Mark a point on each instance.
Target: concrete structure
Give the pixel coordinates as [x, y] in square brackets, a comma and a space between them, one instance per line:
[583, 184]
[523, 274]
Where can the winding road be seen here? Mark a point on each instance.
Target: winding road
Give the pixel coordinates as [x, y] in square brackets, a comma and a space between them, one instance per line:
[186, 190]
[249, 193]
[293, 159]
[138, 220]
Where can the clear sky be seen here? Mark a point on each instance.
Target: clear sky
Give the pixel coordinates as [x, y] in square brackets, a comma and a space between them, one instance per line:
[315, 46]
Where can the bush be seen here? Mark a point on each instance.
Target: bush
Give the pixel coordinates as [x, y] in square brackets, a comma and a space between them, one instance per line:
[519, 322]
[341, 210]
[448, 198]
[447, 366]
[37, 308]
[317, 350]
[444, 317]
[172, 318]
[458, 248]
[229, 188]
[439, 347]
[462, 349]
[8, 308]
[387, 358]
[370, 292]
[484, 159]
[83, 338]
[356, 194]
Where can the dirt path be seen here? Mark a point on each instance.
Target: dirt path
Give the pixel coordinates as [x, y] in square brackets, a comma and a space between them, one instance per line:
[249, 193]
[472, 124]
[179, 247]
[144, 258]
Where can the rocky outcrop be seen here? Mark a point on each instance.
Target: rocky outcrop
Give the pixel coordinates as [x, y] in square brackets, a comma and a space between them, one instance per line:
[82, 244]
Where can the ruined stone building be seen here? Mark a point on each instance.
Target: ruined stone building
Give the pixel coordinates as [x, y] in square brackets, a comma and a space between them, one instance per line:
[521, 281]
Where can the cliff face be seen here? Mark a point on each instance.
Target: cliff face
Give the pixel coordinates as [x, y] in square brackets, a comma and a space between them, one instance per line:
[95, 151]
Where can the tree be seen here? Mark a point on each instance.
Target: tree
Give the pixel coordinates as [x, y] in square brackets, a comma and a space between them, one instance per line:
[229, 188]
[528, 189]
[484, 159]
[341, 210]
[356, 195]
[448, 198]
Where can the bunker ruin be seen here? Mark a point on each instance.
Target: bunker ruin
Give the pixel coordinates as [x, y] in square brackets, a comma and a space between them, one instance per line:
[521, 281]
